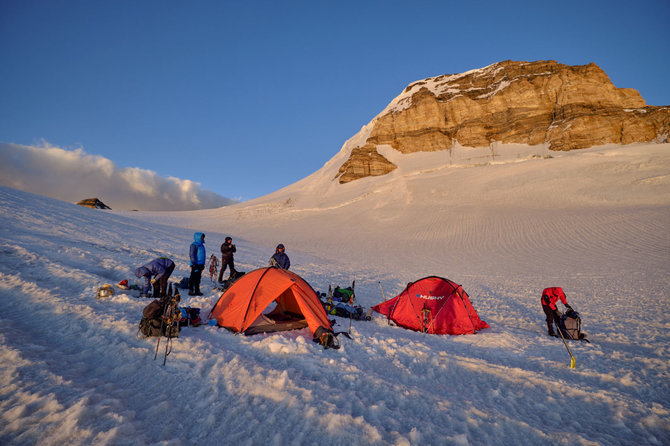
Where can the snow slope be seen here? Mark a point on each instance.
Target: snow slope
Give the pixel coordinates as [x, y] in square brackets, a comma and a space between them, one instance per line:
[505, 224]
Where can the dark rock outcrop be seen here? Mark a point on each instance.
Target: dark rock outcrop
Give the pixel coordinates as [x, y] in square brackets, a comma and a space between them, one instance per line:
[93, 203]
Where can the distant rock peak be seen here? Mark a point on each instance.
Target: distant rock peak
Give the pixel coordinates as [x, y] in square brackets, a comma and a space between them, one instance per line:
[93, 203]
[543, 102]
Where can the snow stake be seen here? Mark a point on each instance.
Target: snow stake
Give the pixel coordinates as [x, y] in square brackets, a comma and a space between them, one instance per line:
[380, 288]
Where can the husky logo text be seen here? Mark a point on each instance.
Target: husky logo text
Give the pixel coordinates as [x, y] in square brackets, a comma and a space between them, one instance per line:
[423, 296]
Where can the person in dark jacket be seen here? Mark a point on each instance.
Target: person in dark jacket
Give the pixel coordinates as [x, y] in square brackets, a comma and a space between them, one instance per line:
[198, 257]
[156, 273]
[279, 259]
[550, 297]
[227, 258]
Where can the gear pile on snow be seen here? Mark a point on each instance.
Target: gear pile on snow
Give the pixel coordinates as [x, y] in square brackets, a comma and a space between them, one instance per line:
[340, 302]
[104, 291]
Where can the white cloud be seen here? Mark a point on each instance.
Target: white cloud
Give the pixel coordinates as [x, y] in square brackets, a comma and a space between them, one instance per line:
[72, 175]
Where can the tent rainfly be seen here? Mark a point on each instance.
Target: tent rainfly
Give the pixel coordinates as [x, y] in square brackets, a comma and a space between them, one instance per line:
[242, 307]
[433, 305]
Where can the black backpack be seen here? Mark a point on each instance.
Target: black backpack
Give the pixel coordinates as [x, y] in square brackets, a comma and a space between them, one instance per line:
[161, 318]
[328, 338]
[571, 325]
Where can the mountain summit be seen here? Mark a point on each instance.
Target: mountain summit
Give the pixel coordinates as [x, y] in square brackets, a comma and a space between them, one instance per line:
[545, 102]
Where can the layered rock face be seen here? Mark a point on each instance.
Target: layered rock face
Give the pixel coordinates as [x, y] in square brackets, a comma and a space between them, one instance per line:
[568, 107]
[93, 203]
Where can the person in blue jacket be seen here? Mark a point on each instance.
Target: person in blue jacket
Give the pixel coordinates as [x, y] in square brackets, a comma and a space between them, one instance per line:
[156, 273]
[279, 259]
[198, 258]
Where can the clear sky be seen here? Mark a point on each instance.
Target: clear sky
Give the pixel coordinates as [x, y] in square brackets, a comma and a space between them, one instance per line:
[247, 97]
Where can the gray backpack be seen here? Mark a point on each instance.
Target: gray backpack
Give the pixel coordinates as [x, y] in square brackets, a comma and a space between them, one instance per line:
[571, 325]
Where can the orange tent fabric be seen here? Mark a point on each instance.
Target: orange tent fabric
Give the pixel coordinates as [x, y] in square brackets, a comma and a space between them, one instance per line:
[241, 304]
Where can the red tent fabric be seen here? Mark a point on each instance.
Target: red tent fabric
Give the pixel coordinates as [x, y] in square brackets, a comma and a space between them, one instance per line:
[433, 305]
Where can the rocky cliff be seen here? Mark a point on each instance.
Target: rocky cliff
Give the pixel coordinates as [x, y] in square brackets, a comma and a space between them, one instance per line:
[93, 203]
[567, 107]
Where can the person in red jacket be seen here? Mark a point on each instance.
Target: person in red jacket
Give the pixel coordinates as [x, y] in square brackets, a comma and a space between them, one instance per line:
[549, 298]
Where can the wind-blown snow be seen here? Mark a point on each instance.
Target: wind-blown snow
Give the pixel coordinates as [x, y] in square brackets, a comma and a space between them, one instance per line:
[504, 224]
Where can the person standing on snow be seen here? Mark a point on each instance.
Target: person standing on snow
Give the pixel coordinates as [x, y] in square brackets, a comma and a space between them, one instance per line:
[279, 259]
[227, 258]
[198, 258]
[549, 298]
[156, 273]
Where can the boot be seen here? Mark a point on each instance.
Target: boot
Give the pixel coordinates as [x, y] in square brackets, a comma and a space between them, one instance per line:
[550, 329]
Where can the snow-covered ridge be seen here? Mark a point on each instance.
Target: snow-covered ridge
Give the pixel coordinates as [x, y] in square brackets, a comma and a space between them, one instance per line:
[447, 84]
[322, 191]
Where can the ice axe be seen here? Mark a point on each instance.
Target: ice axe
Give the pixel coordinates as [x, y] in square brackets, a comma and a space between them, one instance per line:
[572, 358]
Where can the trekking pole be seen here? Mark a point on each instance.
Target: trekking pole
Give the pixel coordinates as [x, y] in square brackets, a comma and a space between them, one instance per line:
[157, 345]
[161, 332]
[172, 322]
[351, 303]
[168, 343]
[572, 358]
[168, 331]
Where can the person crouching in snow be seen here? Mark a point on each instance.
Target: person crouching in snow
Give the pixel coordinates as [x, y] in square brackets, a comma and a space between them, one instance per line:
[279, 259]
[549, 298]
[156, 273]
[198, 257]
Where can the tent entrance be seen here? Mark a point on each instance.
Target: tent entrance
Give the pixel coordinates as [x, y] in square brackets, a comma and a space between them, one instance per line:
[279, 318]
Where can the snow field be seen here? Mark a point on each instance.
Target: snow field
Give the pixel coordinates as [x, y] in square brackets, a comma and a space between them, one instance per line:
[73, 370]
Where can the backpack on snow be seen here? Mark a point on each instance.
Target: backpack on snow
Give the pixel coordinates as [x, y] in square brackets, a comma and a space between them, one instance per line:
[161, 318]
[183, 283]
[189, 316]
[328, 338]
[570, 325]
[343, 294]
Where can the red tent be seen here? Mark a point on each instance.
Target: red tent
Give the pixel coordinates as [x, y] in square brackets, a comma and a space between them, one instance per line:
[433, 305]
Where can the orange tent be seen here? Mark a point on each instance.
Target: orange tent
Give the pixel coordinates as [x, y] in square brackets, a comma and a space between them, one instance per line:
[240, 308]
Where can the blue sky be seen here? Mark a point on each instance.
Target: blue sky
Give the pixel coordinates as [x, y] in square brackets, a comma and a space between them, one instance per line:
[248, 97]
